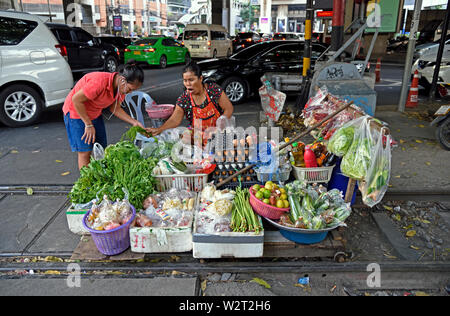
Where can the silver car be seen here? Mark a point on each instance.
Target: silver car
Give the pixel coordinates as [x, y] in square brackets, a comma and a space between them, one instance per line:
[34, 73]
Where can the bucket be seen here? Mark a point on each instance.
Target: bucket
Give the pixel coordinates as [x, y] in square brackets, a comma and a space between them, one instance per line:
[339, 181]
[160, 111]
[111, 242]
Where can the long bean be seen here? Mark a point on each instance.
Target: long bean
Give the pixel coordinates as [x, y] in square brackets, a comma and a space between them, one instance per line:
[243, 217]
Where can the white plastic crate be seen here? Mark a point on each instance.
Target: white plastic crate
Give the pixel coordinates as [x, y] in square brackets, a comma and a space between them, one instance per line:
[154, 240]
[191, 182]
[313, 175]
[75, 221]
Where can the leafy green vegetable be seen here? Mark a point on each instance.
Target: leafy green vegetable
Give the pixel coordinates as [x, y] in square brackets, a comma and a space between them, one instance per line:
[356, 161]
[341, 141]
[121, 169]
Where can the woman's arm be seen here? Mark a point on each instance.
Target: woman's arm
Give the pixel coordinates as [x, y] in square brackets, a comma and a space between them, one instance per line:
[226, 105]
[117, 110]
[174, 121]
[78, 100]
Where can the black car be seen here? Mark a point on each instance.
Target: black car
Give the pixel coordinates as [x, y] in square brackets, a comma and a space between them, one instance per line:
[240, 75]
[244, 40]
[118, 41]
[84, 52]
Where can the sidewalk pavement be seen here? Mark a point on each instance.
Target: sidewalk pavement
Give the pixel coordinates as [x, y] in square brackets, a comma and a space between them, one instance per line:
[35, 225]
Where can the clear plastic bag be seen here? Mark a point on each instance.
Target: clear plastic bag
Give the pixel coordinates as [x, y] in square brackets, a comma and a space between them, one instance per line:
[98, 152]
[377, 179]
[224, 123]
[357, 160]
[272, 101]
[342, 139]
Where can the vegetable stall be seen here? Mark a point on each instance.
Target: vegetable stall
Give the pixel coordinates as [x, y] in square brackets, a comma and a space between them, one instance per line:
[166, 194]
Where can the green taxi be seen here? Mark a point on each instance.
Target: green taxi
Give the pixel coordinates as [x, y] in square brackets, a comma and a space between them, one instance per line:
[158, 50]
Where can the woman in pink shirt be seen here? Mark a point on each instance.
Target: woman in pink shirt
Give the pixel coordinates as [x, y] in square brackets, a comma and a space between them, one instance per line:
[84, 104]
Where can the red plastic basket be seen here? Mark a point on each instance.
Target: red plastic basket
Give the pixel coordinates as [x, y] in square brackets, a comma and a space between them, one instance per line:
[266, 210]
[160, 111]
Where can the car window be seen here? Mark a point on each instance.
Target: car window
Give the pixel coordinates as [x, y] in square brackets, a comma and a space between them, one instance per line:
[146, 42]
[196, 35]
[284, 54]
[83, 36]
[64, 35]
[317, 51]
[169, 42]
[249, 52]
[14, 31]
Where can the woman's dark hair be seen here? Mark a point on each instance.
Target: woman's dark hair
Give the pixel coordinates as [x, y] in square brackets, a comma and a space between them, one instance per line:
[194, 68]
[131, 71]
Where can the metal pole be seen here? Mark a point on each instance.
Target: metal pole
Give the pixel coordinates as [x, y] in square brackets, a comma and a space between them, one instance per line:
[439, 55]
[49, 10]
[337, 33]
[409, 55]
[308, 36]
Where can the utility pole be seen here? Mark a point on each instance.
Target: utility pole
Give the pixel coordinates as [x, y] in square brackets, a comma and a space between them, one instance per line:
[409, 55]
[337, 33]
[306, 75]
[439, 55]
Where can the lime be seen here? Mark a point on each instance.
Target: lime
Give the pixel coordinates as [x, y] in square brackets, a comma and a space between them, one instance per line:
[256, 187]
[259, 195]
[266, 201]
[267, 193]
[280, 204]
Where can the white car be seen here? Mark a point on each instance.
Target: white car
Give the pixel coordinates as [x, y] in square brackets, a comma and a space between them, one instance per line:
[34, 73]
[426, 66]
[430, 48]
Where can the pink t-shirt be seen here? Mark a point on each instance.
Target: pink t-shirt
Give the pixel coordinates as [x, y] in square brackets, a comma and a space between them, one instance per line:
[98, 88]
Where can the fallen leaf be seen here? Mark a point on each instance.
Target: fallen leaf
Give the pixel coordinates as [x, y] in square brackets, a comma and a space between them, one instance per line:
[29, 191]
[414, 247]
[419, 141]
[203, 285]
[65, 173]
[53, 259]
[397, 217]
[14, 152]
[58, 161]
[389, 256]
[397, 177]
[52, 272]
[261, 282]
[410, 233]
[421, 126]
[420, 293]
[402, 141]
[428, 163]
[390, 209]
[408, 227]
[403, 149]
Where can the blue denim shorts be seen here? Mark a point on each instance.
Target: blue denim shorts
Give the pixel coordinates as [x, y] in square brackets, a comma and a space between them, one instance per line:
[75, 130]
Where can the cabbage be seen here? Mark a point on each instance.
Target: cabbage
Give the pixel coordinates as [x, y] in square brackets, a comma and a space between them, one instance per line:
[341, 140]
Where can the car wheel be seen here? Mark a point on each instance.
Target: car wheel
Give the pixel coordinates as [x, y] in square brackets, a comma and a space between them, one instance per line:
[20, 105]
[235, 89]
[163, 62]
[111, 64]
[443, 134]
[187, 58]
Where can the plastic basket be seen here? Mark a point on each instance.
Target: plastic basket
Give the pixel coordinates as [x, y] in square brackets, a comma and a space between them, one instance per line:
[114, 241]
[266, 210]
[160, 111]
[273, 176]
[191, 182]
[313, 175]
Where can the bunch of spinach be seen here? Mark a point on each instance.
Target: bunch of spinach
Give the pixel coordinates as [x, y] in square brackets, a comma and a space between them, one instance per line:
[121, 170]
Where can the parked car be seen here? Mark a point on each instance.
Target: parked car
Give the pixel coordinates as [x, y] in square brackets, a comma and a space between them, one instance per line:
[244, 40]
[118, 41]
[240, 75]
[158, 50]
[34, 73]
[85, 53]
[285, 36]
[426, 65]
[207, 41]
[431, 48]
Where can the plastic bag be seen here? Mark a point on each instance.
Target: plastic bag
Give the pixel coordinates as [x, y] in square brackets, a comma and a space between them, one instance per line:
[377, 179]
[98, 152]
[272, 101]
[342, 139]
[357, 160]
[224, 123]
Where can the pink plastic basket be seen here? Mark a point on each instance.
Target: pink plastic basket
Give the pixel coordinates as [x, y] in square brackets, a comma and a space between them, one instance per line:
[114, 241]
[266, 210]
[160, 111]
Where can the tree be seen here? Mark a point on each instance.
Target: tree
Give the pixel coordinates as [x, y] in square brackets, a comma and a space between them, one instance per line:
[249, 13]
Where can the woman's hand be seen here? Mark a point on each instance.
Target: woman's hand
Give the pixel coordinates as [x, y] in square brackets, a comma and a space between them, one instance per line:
[137, 123]
[89, 134]
[154, 131]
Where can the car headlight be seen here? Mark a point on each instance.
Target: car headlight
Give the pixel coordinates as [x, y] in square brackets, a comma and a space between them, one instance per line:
[208, 73]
